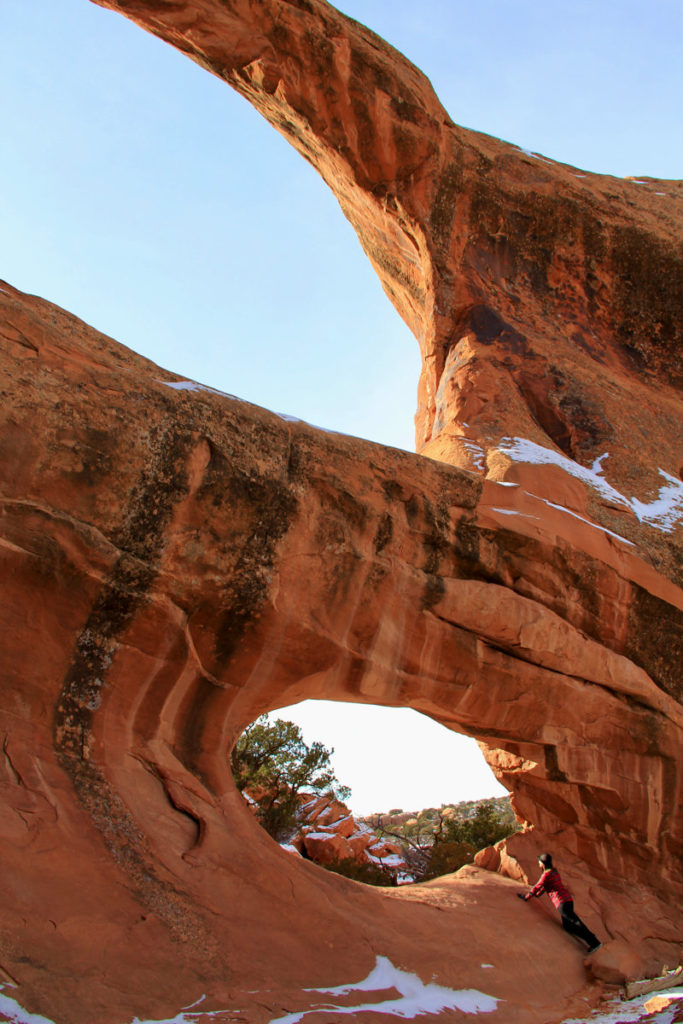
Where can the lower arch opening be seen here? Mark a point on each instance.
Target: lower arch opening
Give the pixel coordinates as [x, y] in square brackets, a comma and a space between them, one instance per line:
[382, 795]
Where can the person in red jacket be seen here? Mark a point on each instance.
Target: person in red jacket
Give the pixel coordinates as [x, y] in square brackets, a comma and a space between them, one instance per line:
[551, 883]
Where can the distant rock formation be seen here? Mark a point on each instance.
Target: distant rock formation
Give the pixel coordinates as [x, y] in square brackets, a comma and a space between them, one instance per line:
[175, 562]
[328, 833]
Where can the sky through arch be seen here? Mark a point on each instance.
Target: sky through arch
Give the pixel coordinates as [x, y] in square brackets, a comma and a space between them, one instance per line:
[142, 194]
[394, 757]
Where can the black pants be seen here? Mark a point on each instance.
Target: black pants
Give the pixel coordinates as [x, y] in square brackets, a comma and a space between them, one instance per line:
[573, 924]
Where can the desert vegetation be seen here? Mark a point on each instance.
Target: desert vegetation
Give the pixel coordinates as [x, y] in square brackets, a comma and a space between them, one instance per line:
[279, 775]
[273, 765]
[439, 840]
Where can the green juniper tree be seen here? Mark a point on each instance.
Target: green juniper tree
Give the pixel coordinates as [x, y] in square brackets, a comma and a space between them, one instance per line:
[272, 760]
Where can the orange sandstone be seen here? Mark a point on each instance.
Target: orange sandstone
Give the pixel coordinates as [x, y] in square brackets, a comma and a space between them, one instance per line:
[175, 562]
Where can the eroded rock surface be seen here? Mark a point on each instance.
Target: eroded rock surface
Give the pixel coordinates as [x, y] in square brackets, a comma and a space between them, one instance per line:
[176, 562]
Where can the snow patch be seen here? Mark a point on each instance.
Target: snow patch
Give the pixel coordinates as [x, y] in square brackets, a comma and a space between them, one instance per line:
[667, 509]
[5, 292]
[596, 526]
[416, 998]
[514, 512]
[12, 1011]
[632, 1011]
[476, 452]
[486, 965]
[663, 513]
[597, 463]
[15, 1013]
[191, 385]
[535, 156]
[404, 878]
[295, 419]
[188, 1015]
[391, 860]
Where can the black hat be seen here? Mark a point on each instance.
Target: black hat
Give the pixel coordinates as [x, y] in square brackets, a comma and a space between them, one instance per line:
[546, 860]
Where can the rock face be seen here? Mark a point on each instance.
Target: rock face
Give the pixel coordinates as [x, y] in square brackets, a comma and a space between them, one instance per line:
[176, 562]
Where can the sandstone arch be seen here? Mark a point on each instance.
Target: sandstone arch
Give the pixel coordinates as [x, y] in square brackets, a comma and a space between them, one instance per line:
[177, 561]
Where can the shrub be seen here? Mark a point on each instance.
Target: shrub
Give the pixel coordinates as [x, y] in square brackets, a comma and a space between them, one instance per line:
[272, 759]
[369, 874]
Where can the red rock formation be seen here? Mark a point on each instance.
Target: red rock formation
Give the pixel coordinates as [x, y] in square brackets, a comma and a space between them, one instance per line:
[155, 542]
[546, 300]
[176, 562]
[326, 832]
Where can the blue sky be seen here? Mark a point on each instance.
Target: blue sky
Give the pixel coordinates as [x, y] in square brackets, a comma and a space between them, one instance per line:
[144, 196]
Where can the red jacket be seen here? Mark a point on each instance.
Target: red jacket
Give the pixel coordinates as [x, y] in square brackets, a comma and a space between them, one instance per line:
[551, 883]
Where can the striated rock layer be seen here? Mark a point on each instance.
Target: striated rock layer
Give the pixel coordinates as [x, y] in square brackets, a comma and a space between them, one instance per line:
[175, 562]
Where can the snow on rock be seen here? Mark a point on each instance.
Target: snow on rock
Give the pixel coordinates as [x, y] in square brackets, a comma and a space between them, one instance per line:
[663, 513]
[16, 1014]
[191, 385]
[534, 155]
[288, 848]
[188, 1015]
[667, 509]
[633, 1011]
[327, 832]
[415, 997]
[12, 1011]
[476, 453]
[568, 511]
[296, 419]
[515, 512]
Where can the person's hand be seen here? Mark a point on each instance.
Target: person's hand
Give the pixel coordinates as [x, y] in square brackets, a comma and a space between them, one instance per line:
[520, 896]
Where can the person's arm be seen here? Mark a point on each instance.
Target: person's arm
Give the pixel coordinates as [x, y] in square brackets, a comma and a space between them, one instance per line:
[539, 888]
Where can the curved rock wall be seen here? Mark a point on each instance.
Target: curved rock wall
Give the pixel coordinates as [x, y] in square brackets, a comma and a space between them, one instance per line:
[175, 562]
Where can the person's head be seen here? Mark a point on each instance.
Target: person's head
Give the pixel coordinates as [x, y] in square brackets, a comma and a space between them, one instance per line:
[546, 861]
